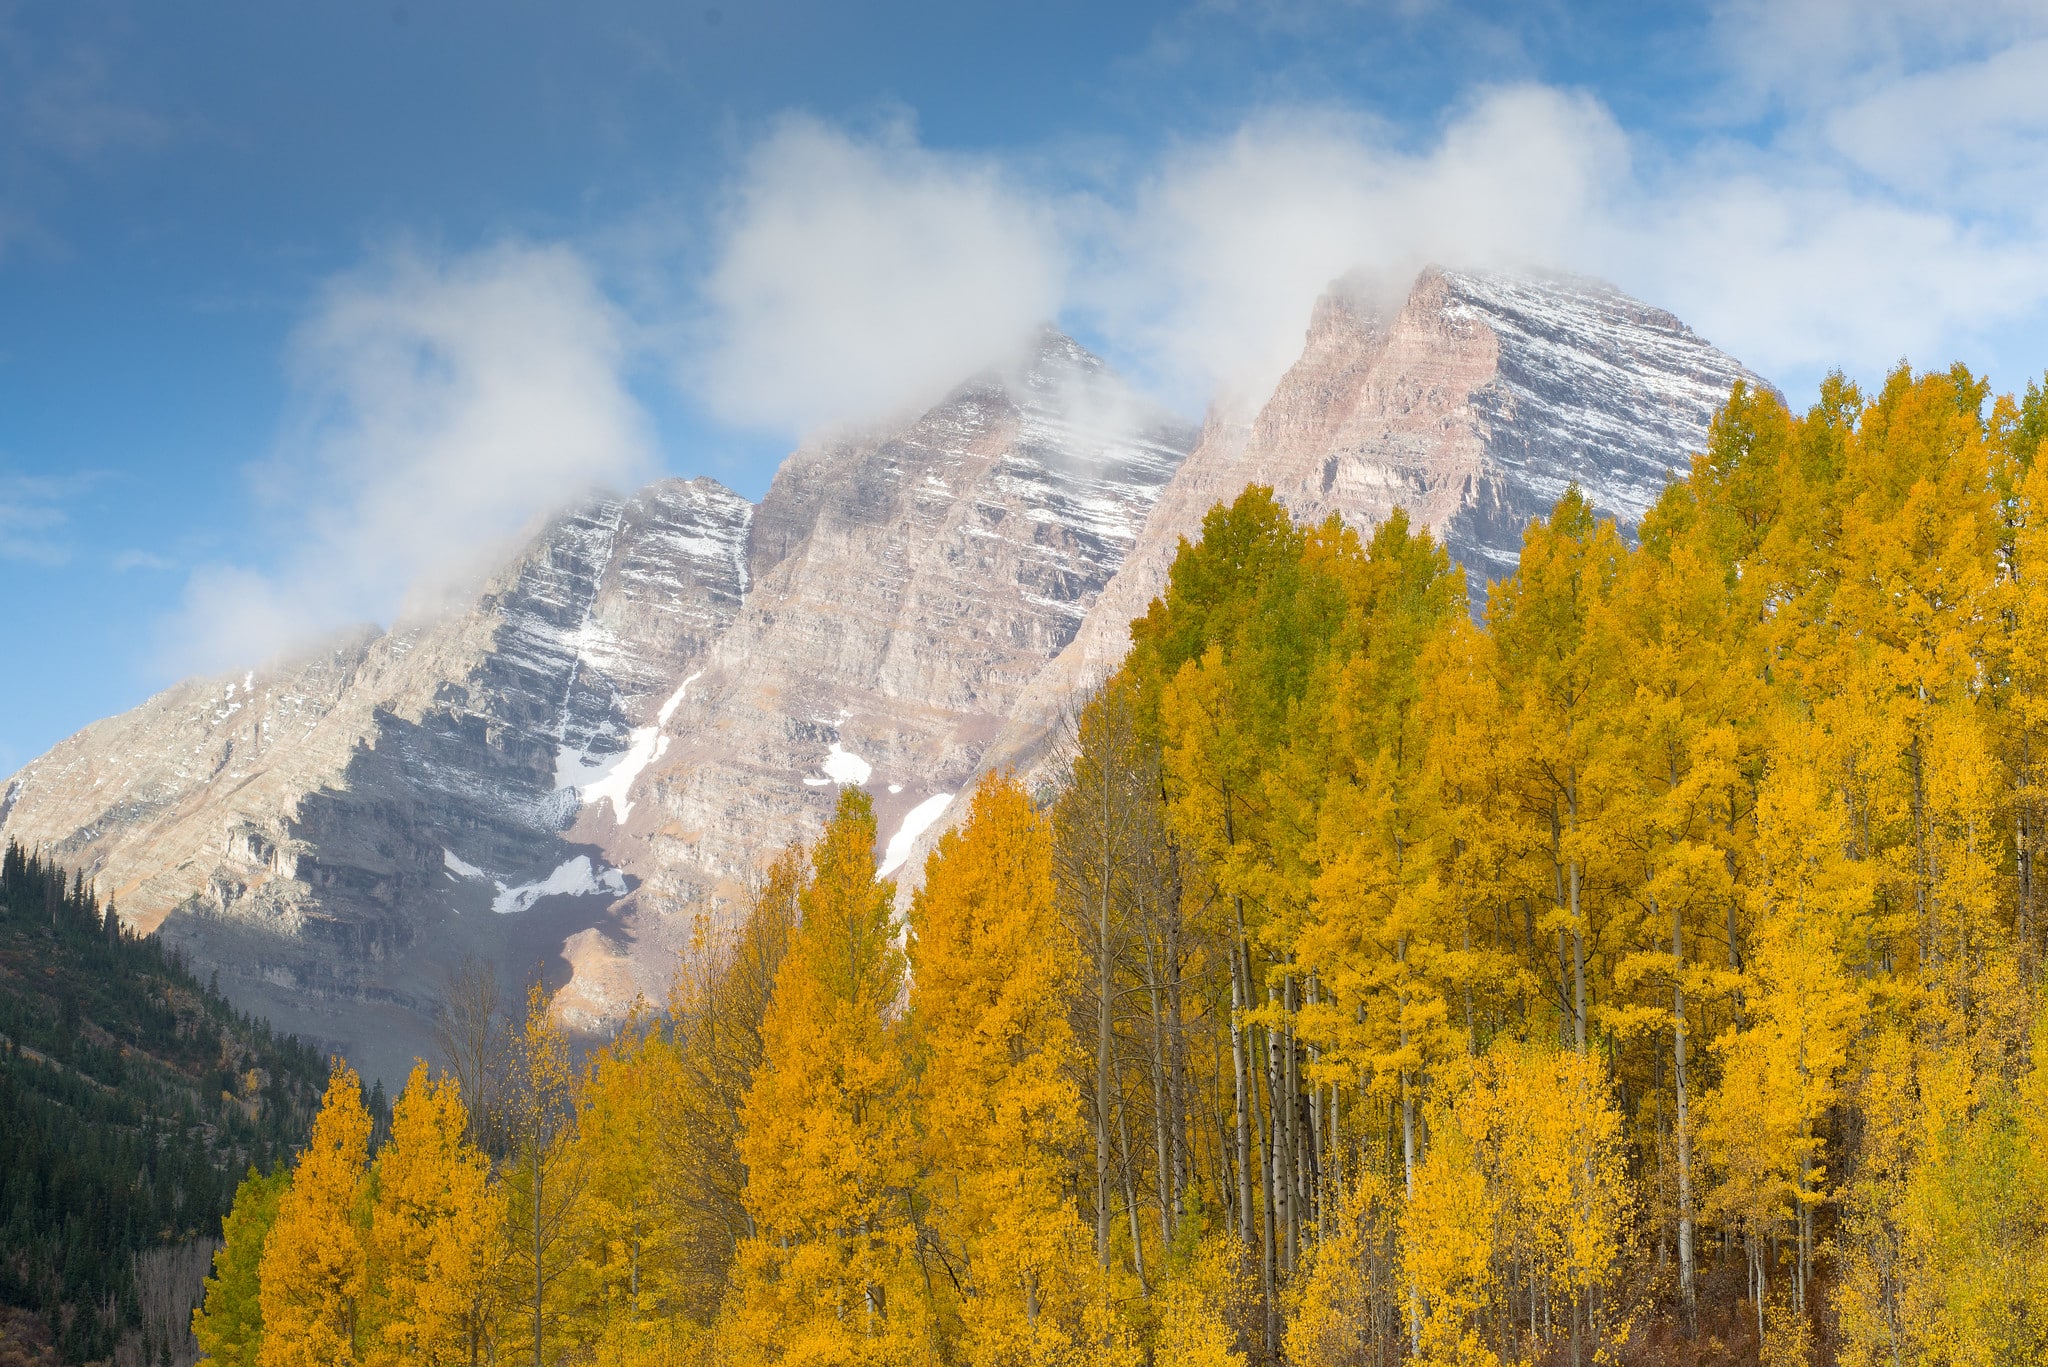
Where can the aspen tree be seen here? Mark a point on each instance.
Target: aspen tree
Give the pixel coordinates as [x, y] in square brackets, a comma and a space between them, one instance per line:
[991, 967]
[315, 1268]
[1763, 1128]
[1682, 710]
[1544, 1128]
[228, 1324]
[628, 1277]
[1099, 864]
[2023, 673]
[1200, 1302]
[1344, 1310]
[830, 1275]
[1551, 664]
[1447, 1229]
[1872, 1296]
[543, 1179]
[1385, 926]
[697, 1082]
[437, 1233]
[1222, 590]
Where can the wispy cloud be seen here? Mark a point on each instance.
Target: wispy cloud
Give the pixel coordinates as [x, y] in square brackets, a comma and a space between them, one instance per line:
[444, 405]
[62, 105]
[859, 273]
[132, 560]
[1206, 275]
[35, 523]
[1859, 183]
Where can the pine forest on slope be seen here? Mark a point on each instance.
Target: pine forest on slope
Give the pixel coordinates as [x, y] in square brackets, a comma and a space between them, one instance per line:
[1648, 972]
[132, 1099]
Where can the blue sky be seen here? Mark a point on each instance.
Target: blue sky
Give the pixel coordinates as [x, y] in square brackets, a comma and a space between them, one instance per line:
[305, 308]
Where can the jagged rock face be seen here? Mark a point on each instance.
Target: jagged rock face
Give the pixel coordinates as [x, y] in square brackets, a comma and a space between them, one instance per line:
[329, 834]
[657, 693]
[1483, 400]
[1473, 403]
[661, 691]
[908, 586]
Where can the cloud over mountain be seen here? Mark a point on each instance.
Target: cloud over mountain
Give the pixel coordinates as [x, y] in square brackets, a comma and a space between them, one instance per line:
[858, 274]
[443, 404]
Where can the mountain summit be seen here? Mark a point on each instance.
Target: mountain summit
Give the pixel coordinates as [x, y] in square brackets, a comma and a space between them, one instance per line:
[662, 690]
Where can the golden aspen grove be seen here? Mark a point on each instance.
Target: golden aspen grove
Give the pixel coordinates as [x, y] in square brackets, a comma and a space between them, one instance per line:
[1647, 969]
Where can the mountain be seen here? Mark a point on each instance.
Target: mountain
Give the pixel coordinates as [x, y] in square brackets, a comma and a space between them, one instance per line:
[660, 691]
[1473, 401]
[309, 830]
[907, 585]
[652, 696]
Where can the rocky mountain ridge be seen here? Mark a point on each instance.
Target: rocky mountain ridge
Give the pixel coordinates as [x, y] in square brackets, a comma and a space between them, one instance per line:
[660, 690]
[1473, 401]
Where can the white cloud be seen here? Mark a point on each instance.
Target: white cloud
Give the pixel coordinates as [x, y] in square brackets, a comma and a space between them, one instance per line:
[856, 275]
[446, 404]
[1808, 53]
[1859, 183]
[1939, 103]
[1210, 271]
[1855, 234]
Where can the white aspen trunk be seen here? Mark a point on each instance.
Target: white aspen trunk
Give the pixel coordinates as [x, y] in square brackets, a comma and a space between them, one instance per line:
[1131, 1195]
[1281, 1183]
[1162, 1174]
[1686, 1283]
[1239, 971]
[1102, 1038]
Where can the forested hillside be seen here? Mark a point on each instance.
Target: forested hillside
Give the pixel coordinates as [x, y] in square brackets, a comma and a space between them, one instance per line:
[1649, 974]
[131, 1101]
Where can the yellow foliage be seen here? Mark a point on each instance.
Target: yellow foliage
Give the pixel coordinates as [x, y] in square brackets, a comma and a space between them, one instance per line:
[1201, 1304]
[543, 1186]
[315, 1267]
[1331, 1306]
[624, 1275]
[1447, 1251]
[1543, 1128]
[829, 1276]
[437, 1233]
[991, 968]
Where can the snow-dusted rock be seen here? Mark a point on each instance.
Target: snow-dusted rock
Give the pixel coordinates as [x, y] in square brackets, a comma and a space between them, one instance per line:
[325, 832]
[1473, 402]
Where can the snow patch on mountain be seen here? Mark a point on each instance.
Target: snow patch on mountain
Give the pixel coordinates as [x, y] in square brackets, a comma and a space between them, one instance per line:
[844, 767]
[916, 822]
[573, 878]
[609, 778]
[458, 867]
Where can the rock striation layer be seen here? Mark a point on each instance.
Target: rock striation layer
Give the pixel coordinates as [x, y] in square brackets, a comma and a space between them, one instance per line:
[659, 691]
[1473, 402]
[329, 834]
